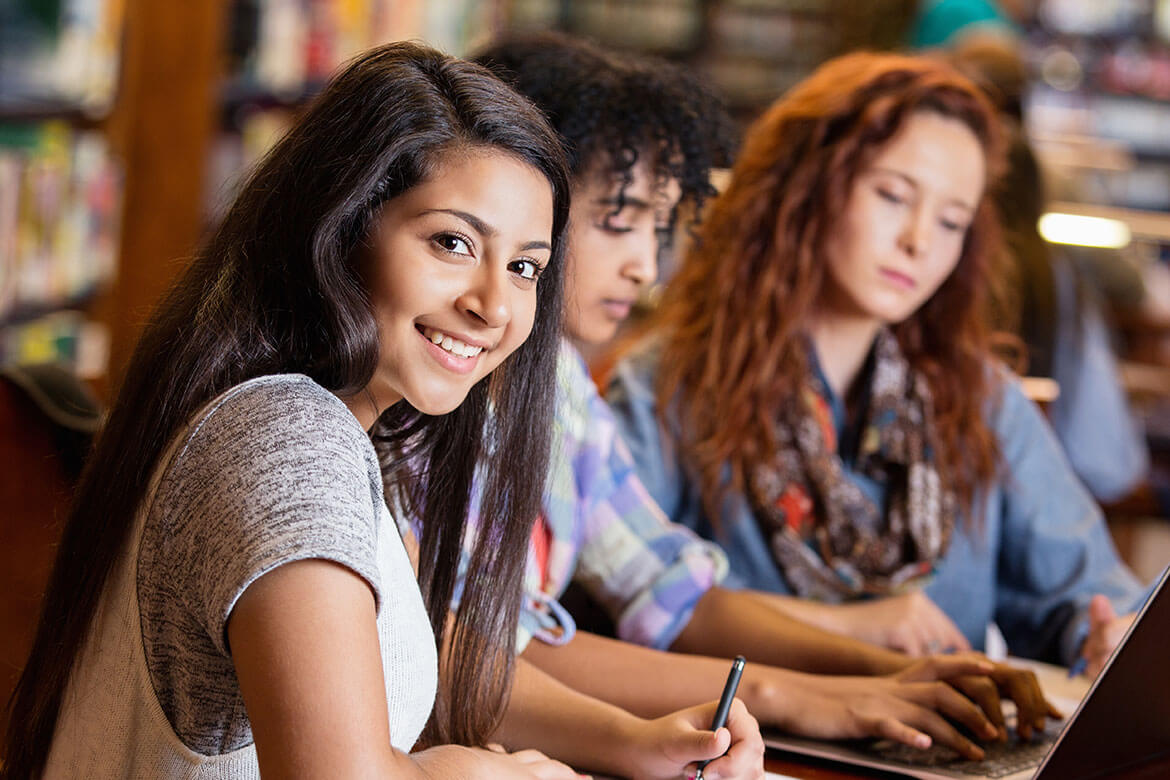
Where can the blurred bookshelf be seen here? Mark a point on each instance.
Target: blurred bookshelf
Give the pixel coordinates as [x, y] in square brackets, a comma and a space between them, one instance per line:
[1101, 82]
[59, 56]
[280, 53]
[1098, 109]
[60, 182]
[59, 198]
[752, 51]
[105, 109]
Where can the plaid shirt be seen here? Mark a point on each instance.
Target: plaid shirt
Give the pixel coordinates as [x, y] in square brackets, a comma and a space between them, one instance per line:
[602, 530]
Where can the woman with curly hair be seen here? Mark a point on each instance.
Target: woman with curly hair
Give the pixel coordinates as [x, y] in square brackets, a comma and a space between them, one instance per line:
[642, 136]
[818, 393]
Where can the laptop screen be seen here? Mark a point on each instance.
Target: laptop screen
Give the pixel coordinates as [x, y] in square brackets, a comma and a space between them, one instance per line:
[1125, 718]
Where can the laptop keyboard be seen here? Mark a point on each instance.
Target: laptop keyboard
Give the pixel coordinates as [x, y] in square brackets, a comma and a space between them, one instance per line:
[1000, 758]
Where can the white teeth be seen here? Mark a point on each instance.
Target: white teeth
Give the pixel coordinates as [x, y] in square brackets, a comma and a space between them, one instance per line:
[466, 350]
[450, 344]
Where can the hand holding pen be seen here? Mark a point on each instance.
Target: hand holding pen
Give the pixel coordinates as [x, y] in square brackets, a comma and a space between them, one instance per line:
[720, 719]
[667, 747]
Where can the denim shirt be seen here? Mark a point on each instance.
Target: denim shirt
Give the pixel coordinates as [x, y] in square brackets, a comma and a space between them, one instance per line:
[1038, 553]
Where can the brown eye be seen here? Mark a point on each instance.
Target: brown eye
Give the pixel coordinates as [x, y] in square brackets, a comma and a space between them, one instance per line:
[526, 269]
[452, 243]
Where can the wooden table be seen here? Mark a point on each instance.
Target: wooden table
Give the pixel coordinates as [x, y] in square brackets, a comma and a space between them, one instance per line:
[807, 768]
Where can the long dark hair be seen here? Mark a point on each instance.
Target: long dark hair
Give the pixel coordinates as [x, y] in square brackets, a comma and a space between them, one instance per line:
[731, 318]
[278, 289]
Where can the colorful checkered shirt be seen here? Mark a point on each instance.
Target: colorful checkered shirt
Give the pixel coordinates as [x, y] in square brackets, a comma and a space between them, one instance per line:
[602, 530]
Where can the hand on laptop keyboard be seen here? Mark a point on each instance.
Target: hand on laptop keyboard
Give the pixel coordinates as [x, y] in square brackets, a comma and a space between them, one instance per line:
[916, 706]
[1016, 685]
[1000, 759]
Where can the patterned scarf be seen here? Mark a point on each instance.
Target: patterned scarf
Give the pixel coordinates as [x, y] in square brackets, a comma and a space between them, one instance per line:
[830, 540]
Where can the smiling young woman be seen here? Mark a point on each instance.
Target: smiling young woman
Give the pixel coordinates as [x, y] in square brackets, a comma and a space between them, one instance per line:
[452, 271]
[232, 595]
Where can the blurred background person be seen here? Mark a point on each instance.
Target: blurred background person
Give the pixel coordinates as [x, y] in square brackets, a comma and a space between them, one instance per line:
[818, 391]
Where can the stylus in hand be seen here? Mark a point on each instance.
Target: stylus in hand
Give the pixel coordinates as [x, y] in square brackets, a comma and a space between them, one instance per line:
[724, 707]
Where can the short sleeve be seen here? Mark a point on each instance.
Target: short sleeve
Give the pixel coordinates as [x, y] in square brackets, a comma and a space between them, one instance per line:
[273, 471]
[276, 471]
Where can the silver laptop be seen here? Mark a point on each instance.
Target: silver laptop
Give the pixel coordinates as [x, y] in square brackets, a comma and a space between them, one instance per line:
[1123, 721]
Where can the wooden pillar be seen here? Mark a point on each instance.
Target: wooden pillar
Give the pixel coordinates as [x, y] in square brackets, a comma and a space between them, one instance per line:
[164, 121]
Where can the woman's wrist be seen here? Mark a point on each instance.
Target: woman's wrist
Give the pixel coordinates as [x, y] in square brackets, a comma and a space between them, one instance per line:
[883, 661]
[859, 654]
[631, 743]
[775, 696]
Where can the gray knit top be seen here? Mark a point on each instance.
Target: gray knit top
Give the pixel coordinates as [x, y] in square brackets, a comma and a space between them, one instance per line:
[274, 470]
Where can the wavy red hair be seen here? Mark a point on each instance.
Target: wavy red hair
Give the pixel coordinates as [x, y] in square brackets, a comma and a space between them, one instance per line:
[730, 320]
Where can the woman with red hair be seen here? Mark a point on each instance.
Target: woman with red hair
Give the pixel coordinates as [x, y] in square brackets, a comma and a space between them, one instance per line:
[819, 393]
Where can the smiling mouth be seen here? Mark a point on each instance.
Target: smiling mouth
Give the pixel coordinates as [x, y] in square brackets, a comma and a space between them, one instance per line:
[449, 343]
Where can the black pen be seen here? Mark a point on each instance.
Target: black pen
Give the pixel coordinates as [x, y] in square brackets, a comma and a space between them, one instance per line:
[724, 707]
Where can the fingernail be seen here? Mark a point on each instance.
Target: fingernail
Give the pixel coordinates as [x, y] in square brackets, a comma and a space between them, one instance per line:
[922, 741]
[990, 731]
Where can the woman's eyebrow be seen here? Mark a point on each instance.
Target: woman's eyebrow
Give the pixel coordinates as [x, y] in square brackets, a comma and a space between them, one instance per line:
[910, 180]
[484, 229]
[477, 224]
[897, 174]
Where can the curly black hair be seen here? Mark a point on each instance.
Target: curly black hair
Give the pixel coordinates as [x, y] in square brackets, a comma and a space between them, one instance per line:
[610, 108]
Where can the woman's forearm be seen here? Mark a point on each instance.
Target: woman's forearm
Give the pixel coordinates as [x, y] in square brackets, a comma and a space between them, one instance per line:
[781, 631]
[652, 683]
[647, 682]
[566, 724]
